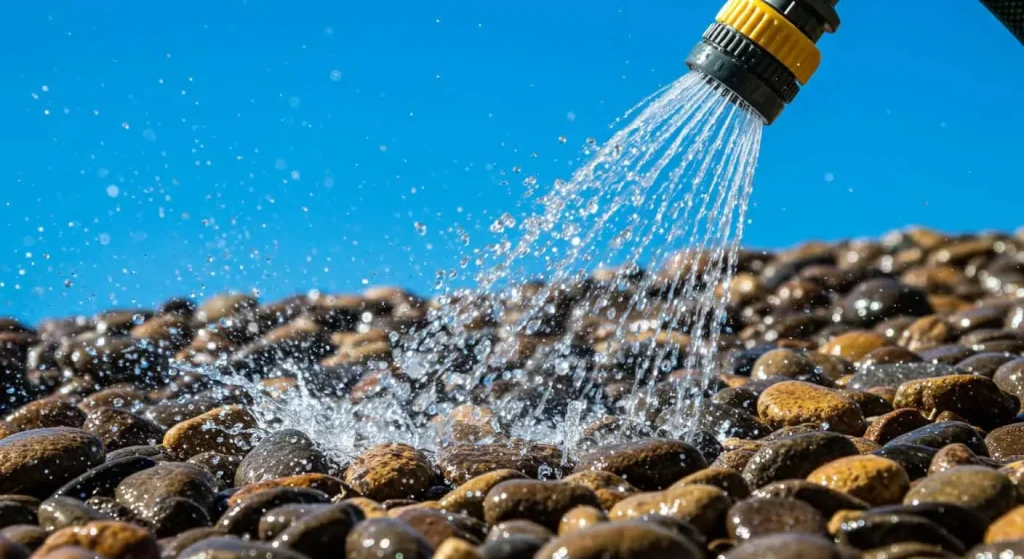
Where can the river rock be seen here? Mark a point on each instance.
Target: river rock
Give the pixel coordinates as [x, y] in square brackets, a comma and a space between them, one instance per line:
[793, 403]
[390, 471]
[976, 488]
[141, 491]
[460, 463]
[243, 518]
[227, 430]
[322, 532]
[107, 538]
[39, 461]
[753, 518]
[621, 540]
[468, 498]
[973, 397]
[896, 374]
[649, 465]
[872, 479]
[795, 457]
[45, 413]
[544, 502]
[702, 506]
[57, 513]
[876, 530]
[120, 428]
[893, 424]
[283, 453]
[385, 537]
[938, 435]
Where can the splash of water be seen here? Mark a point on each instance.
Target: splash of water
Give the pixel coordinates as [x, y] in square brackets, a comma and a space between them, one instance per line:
[572, 358]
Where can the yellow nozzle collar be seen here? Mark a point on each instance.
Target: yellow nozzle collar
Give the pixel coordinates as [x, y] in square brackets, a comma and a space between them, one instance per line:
[760, 23]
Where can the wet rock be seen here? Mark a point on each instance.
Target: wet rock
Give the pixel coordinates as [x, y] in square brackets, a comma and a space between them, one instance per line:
[48, 412]
[608, 487]
[13, 513]
[787, 546]
[174, 546]
[975, 398]
[1000, 550]
[871, 405]
[726, 479]
[110, 508]
[1009, 377]
[155, 452]
[107, 538]
[893, 424]
[976, 488]
[984, 364]
[734, 459]
[390, 471]
[226, 547]
[949, 354]
[795, 457]
[759, 517]
[169, 414]
[384, 537]
[896, 374]
[436, 526]
[222, 466]
[1006, 442]
[926, 333]
[115, 397]
[854, 345]
[938, 435]
[460, 463]
[702, 506]
[322, 532]
[39, 461]
[513, 547]
[579, 518]
[914, 459]
[226, 430]
[872, 479]
[243, 518]
[782, 363]
[951, 456]
[171, 516]
[283, 453]
[888, 355]
[278, 519]
[141, 491]
[874, 300]
[468, 498]
[649, 465]
[621, 540]
[731, 421]
[331, 486]
[454, 548]
[61, 512]
[544, 502]
[827, 501]
[794, 403]
[28, 536]
[119, 428]
[966, 526]
[873, 531]
[520, 527]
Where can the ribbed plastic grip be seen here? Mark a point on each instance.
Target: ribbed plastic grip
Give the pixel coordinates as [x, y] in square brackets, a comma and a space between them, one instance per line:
[760, 23]
[753, 58]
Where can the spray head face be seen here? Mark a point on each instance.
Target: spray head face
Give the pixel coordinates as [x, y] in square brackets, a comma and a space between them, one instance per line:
[764, 50]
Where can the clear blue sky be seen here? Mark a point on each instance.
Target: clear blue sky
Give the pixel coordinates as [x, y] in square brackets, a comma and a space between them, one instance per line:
[162, 148]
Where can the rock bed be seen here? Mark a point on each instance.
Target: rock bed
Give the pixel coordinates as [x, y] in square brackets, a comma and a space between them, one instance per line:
[866, 404]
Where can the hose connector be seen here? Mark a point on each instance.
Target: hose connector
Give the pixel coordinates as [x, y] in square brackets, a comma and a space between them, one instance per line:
[764, 50]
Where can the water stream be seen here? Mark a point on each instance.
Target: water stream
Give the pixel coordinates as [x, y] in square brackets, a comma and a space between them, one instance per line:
[617, 339]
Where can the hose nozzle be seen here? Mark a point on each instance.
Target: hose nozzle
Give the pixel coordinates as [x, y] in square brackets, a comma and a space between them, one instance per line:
[764, 50]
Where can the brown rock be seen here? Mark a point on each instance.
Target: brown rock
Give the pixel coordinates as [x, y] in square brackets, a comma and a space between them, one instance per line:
[579, 518]
[853, 345]
[454, 548]
[390, 471]
[953, 455]
[48, 412]
[468, 498]
[1006, 441]
[39, 461]
[608, 487]
[726, 479]
[329, 485]
[734, 459]
[792, 403]
[650, 464]
[1008, 527]
[544, 502]
[979, 489]
[872, 479]
[462, 462]
[107, 538]
[975, 398]
[227, 430]
[782, 363]
[759, 517]
[926, 333]
[120, 428]
[621, 540]
[893, 424]
[701, 505]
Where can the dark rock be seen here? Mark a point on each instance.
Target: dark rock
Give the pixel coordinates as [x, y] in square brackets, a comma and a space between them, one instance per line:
[514, 547]
[795, 457]
[964, 525]
[976, 488]
[103, 479]
[826, 501]
[243, 518]
[914, 458]
[649, 465]
[544, 502]
[787, 546]
[322, 533]
[896, 374]
[386, 538]
[39, 461]
[621, 540]
[277, 520]
[759, 517]
[875, 300]
[284, 453]
[460, 463]
[141, 491]
[938, 435]
[60, 512]
[13, 513]
[121, 428]
[234, 548]
[873, 530]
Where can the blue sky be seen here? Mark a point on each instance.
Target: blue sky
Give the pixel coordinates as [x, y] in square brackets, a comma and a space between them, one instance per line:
[155, 151]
